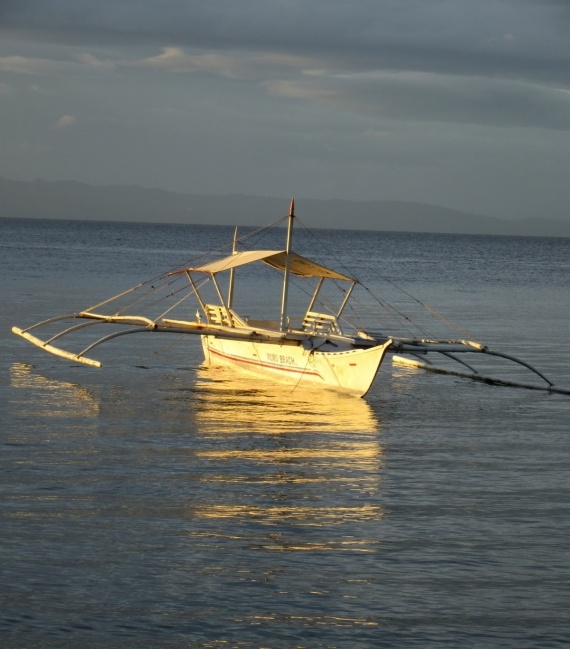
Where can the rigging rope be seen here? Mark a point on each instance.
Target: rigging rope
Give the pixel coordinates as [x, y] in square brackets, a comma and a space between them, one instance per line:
[386, 305]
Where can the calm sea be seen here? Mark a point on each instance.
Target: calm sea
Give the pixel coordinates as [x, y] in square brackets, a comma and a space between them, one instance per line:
[153, 503]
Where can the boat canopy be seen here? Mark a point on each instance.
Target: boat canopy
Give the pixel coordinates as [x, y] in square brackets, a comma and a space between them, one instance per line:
[298, 265]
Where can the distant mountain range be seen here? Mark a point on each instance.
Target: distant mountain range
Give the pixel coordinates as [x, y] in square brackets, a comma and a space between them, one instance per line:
[79, 201]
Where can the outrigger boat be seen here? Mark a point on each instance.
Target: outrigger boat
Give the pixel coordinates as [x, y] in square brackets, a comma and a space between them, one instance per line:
[317, 350]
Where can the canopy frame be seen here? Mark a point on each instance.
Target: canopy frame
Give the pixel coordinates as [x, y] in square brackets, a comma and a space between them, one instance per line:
[299, 265]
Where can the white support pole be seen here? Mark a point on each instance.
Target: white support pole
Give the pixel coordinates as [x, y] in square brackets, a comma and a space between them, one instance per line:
[232, 270]
[283, 319]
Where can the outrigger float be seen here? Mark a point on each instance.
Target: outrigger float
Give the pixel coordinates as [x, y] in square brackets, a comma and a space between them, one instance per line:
[321, 349]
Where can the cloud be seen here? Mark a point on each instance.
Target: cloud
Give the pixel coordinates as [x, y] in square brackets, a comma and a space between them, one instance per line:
[29, 66]
[5, 89]
[91, 61]
[231, 65]
[174, 59]
[395, 85]
[430, 97]
[64, 122]
[23, 65]
[520, 39]
[462, 37]
[36, 89]
[435, 62]
[291, 61]
[298, 89]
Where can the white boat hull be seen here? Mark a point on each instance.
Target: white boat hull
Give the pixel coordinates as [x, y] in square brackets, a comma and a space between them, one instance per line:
[351, 371]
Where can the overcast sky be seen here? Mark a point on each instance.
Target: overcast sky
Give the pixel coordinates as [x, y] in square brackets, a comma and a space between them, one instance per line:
[460, 103]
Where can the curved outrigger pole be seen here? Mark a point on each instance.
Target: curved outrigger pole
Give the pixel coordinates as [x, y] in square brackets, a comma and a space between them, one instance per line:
[520, 362]
[417, 348]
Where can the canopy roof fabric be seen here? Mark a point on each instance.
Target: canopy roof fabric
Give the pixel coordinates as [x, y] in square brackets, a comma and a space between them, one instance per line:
[298, 265]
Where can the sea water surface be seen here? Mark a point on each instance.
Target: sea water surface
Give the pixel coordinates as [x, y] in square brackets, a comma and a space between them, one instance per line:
[155, 503]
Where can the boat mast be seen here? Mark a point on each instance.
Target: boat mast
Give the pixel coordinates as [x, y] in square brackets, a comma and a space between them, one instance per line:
[283, 320]
[231, 285]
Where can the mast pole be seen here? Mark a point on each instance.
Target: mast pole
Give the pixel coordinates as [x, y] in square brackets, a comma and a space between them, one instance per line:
[283, 319]
[231, 284]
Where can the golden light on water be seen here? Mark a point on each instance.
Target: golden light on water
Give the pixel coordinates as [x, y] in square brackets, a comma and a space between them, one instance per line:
[286, 518]
[229, 401]
[361, 453]
[316, 516]
[314, 455]
[329, 620]
[274, 437]
[53, 396]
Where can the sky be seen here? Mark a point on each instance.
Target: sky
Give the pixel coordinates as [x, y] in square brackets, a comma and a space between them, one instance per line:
[459, 103]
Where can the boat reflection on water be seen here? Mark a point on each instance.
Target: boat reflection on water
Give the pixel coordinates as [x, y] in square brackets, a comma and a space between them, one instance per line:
[228, 401]
[314, 456]
[51, 397]
[282, 469]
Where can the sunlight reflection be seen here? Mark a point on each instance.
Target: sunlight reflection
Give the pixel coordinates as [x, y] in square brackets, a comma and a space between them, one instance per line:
[316, 516]
[52, 396]
[310, 620]
[288, 526]
[279, 437]
[231, 402]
